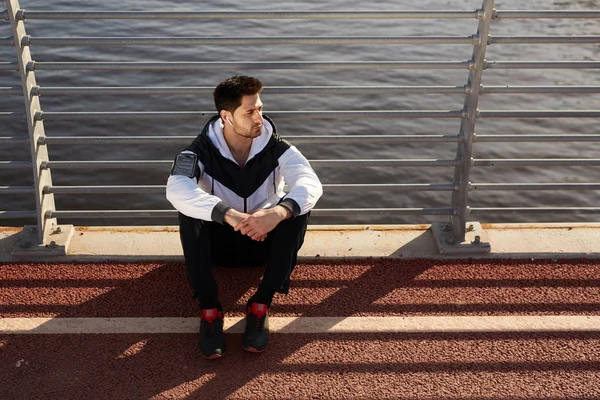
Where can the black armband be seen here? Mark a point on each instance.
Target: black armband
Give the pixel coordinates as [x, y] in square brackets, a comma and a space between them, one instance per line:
[186, 164]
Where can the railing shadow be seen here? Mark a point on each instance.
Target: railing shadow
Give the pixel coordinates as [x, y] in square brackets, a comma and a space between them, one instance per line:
[147, 365]
[144, 365]
[8, 239]
[168, 366]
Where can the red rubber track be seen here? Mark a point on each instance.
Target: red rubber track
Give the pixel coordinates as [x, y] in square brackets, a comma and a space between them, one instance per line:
[320, 366]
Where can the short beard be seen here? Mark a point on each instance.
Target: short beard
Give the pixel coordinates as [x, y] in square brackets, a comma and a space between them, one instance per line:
[250, 134]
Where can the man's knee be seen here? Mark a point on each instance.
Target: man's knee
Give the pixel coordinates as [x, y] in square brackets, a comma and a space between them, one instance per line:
[292, 231]
[193, 231]
[298, 223]
[188, 223]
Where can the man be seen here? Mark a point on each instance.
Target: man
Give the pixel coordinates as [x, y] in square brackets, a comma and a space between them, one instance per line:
[228, 188]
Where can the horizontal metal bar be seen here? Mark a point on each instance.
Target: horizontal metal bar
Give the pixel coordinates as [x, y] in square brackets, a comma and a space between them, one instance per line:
[538, 89]
[315, 163]
[106, 164]
[441, 14]
[9, 66]
[109, 115]
[385, 163]
[121, 90]
[11, 91]
[547, 14]
[333, 212]
[245, 41]
[537, 138]
[542, 64]
[14, 164]
[539, 114]
[113, 214]
[316, 90]
[17, 214]
[390, 187]
[543, 39]
[374, 139]
[234, 65]
[13, 140]
[207, 90]
[308, 139]
[379, 212]
[16, 190]
[161, 188]
[535, 186]
[12, 115]
[535, 210]
[7, 41]
[105, 189]
[535, 162]
[55, 140]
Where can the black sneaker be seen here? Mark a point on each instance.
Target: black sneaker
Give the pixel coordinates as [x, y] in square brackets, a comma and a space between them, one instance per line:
[212, 341]
[256, 335]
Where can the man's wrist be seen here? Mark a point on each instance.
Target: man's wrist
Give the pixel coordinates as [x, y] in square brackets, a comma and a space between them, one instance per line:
[283, 212]
[230, 216]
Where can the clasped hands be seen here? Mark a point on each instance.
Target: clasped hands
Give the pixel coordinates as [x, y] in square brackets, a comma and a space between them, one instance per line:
[257, 224]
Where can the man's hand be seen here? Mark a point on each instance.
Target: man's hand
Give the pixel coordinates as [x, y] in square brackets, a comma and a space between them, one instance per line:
[257, 225]
[234, 217]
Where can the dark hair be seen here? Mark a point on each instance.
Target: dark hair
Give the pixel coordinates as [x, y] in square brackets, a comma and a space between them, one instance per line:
[228, 94]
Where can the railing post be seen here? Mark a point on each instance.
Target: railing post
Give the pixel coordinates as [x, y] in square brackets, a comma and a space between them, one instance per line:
[452, 238]
[47, 236]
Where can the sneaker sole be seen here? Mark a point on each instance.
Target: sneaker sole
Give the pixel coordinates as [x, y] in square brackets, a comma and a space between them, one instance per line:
[213, 356]
[253, 350]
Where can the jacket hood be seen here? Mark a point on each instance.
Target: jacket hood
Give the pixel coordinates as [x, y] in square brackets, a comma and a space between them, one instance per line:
[213, 130]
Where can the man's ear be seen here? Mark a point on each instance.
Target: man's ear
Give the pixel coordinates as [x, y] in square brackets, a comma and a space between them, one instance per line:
[223, 115]
[226, 117]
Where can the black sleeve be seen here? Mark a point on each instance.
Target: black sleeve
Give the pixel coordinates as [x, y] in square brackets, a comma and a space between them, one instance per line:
[291, 205]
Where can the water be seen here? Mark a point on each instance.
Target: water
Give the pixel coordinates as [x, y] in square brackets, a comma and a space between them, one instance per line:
[221, 28]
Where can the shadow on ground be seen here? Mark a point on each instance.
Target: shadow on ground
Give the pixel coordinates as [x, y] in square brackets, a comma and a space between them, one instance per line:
[131, 366]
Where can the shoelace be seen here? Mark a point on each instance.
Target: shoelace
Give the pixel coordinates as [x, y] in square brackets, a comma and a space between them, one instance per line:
[260, 322]
[210, 326]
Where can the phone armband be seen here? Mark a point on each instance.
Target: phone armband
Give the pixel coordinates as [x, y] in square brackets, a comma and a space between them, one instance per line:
[186, 164]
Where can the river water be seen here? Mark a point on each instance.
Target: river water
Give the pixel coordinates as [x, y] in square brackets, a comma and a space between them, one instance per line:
[259, 28]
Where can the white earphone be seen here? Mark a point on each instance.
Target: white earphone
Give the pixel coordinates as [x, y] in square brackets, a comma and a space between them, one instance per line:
[228, 120]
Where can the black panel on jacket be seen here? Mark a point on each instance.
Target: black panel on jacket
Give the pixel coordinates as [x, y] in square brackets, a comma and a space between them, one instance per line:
[243, 181]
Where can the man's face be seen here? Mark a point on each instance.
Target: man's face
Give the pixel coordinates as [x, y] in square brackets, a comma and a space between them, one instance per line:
[247, 119]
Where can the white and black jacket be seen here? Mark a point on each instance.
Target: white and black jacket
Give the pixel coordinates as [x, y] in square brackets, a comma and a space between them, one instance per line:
[213, 182]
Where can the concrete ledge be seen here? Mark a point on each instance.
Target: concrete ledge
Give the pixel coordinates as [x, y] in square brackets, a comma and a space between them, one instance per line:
[59, 241]
[569, 240]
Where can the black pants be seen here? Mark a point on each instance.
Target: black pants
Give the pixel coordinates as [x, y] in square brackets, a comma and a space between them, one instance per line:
[207, 243]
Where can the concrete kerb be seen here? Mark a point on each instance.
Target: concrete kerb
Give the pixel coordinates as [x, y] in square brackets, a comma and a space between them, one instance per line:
[161, 243]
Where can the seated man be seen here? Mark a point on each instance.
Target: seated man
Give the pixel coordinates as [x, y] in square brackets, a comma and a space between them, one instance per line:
[228, 188]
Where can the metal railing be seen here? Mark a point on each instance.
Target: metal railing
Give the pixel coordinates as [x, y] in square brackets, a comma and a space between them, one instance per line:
[468, 113]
